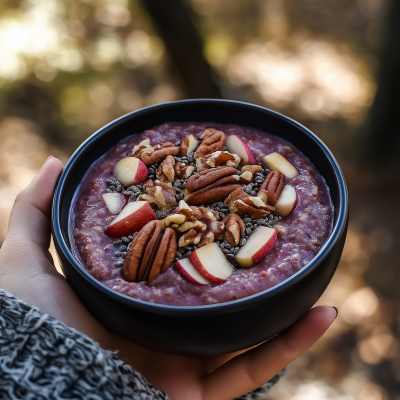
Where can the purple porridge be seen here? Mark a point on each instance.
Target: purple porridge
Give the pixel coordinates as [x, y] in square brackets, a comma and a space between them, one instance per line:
[300, 234]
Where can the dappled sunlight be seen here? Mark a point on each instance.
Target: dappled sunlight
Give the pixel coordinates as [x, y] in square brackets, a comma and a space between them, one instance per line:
[318, 76]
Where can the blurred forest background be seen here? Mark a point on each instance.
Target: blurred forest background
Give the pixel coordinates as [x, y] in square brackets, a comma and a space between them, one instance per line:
[69, 67]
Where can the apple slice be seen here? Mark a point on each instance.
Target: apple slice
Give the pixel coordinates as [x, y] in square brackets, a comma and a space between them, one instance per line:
[211, 263]
[236, 145]
[114, 201]
[188, 271]
[279, 163]
[259, 244]
[133, 217]
[287, 201]
[130, 171]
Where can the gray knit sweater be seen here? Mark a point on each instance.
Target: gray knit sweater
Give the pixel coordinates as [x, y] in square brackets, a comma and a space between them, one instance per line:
[41, 358]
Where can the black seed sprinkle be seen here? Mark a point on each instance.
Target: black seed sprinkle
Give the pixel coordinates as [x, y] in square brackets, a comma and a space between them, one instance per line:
[242, 241]
[117, 242]
[226, 251]
[125, 239]
[230, 256]
[248, 231]
[118, 263]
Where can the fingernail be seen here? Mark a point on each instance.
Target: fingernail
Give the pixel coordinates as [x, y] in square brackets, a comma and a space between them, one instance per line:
[41, 169]
[337, 311]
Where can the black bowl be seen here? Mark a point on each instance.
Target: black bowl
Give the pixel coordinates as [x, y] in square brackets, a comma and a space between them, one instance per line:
[209, 329]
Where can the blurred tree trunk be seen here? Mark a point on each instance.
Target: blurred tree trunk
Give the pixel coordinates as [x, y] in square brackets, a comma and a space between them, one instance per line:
[184, 45]
[381, 136]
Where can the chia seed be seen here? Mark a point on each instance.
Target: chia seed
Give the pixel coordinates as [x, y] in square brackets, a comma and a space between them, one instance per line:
[118, 263]
[230, 256]
[242, 241]
[117, 242]
[248, 231]
[160, 214]
[226, 251]
[125, 239]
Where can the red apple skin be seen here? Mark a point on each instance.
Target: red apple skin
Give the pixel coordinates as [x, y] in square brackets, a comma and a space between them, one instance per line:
[187, 276]
[250, 156]
[262, 253]
[141, 173]
[202, 271]
[132, 223]
[295, 203]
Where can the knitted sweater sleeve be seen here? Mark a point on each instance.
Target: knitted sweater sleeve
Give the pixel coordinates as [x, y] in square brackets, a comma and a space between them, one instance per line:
[41, 358]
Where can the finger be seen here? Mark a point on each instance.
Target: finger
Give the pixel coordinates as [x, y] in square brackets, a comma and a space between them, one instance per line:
[255, 367]
[30, 216]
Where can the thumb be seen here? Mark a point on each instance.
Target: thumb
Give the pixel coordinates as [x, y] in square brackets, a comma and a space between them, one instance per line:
[30, 216]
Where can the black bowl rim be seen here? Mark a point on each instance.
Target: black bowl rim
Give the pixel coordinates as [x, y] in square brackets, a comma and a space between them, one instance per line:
[226, 306]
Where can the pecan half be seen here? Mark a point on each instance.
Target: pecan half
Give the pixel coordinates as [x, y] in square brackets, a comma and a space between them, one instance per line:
[213, 140]
[183, 171]
[273, 184]
[152, 252]
[207, 177]
[218, 159]
[212, 194]
[160, 195]
[138, 149]
[158, 152]
[166, 172]
[188, 145]
[234, 229]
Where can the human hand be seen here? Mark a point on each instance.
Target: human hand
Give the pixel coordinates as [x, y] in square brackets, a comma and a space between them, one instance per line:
[27, 271]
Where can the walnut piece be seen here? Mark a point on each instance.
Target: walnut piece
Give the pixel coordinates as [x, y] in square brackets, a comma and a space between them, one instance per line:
[159, 195]
[138, 149]
[199, 225]
[212, 140]
[218, 159]
[166, 172]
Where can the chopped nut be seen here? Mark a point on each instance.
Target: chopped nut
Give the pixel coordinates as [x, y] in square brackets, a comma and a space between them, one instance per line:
[234, 229]
[138, 149]
[166, 172]
[183, 171]
[159, 152]
[218, 159]
[159, 195]
[188, 145]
